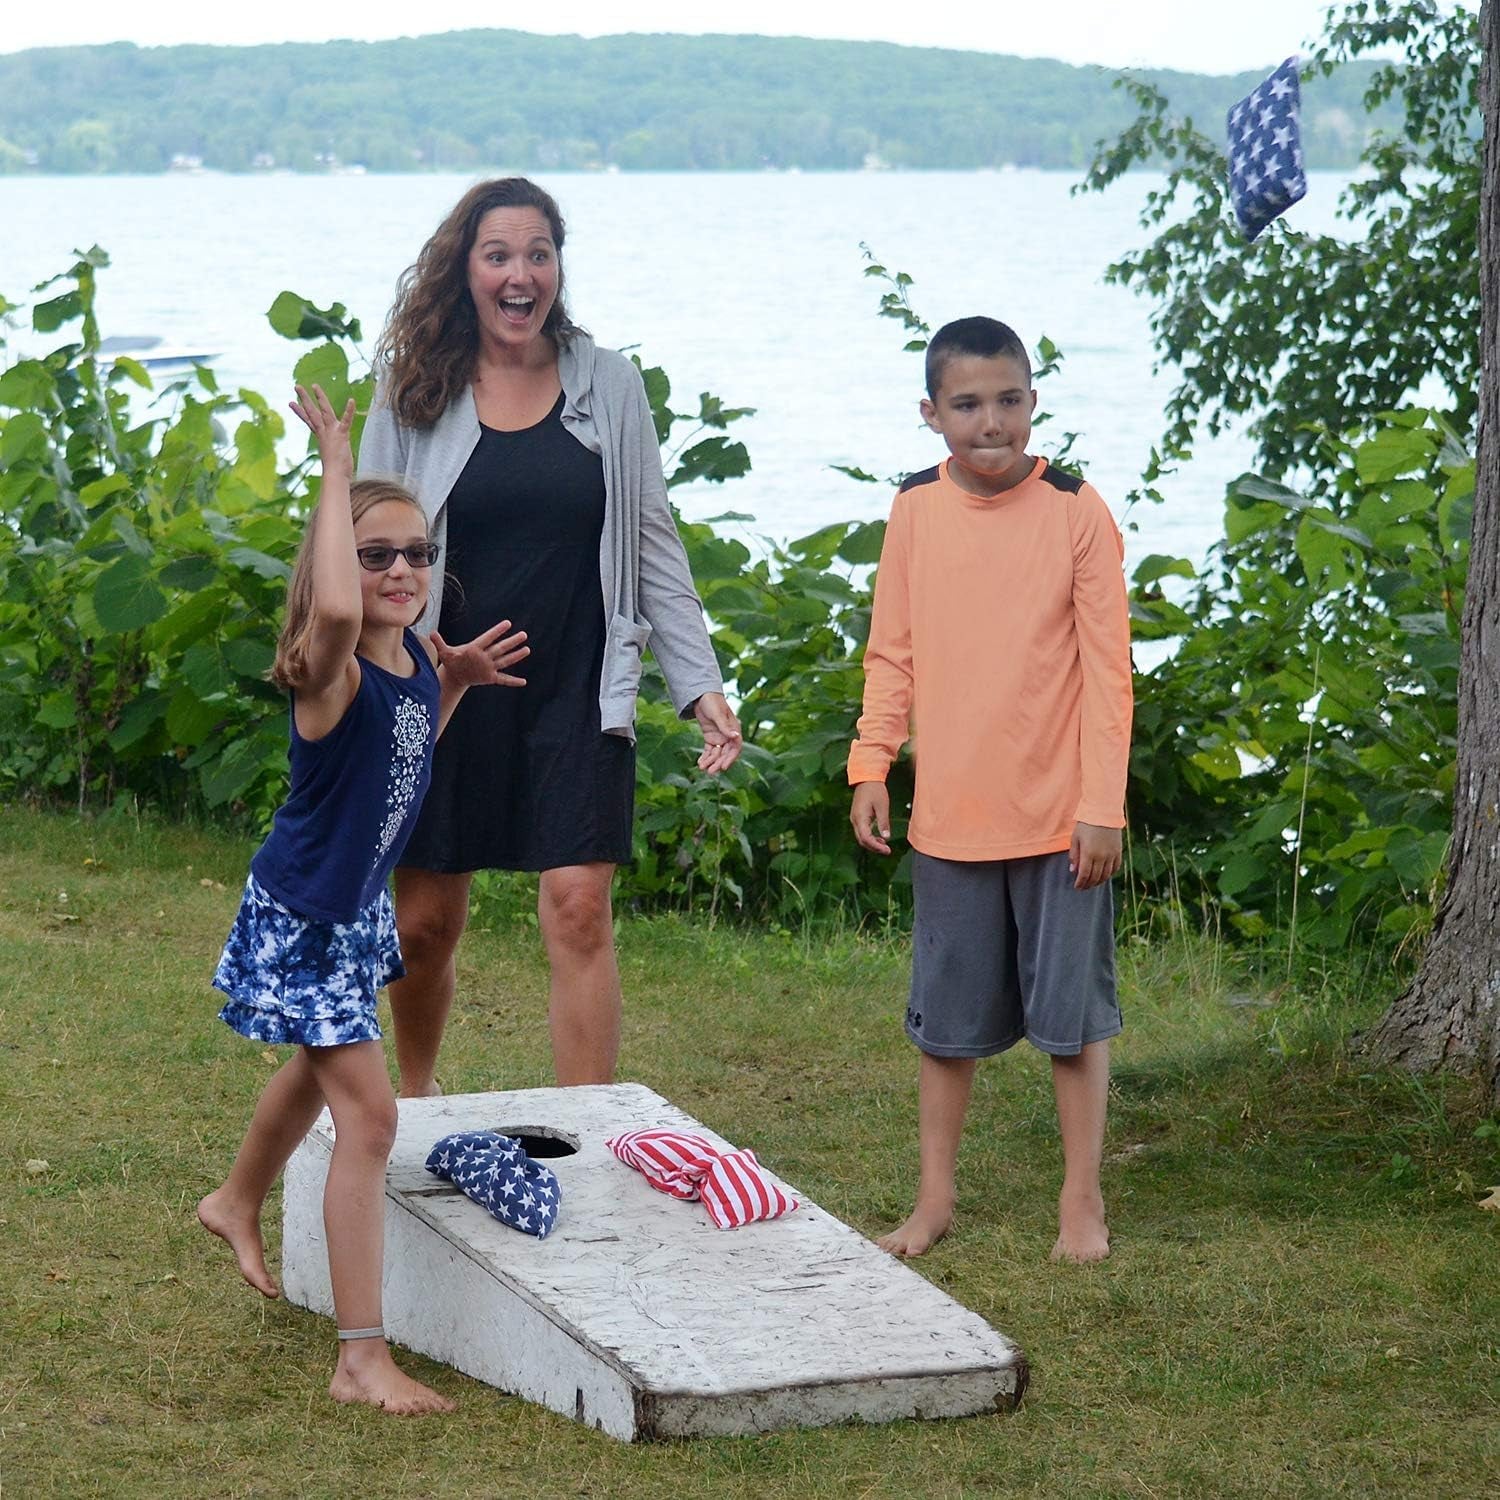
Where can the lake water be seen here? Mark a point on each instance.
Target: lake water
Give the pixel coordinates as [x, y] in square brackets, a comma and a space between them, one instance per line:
[749, 286]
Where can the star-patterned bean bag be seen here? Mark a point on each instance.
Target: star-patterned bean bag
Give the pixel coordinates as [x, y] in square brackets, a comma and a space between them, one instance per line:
[497, 1174]
[1266, 171]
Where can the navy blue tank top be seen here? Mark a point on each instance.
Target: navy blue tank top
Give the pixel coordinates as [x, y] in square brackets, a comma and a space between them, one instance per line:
[355, 795]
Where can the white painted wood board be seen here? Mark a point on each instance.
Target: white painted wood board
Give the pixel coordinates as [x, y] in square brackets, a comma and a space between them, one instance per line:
[636, 1314]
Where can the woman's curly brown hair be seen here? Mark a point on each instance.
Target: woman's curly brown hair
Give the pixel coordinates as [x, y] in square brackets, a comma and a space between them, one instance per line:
[432, 336]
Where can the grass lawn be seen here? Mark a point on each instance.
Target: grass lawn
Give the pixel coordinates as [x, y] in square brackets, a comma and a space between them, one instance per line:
[1303, 1300]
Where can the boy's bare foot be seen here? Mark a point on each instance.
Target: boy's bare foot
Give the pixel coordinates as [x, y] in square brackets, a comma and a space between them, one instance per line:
[374, 1378]
[429, 1090]
[1082, 1234]
[928, 1223]
[241, 1232]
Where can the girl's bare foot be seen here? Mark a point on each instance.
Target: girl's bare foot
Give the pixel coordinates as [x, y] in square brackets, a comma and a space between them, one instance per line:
[373, 1377]
[1082, 1234]
[240, 1230]
[928, 1223]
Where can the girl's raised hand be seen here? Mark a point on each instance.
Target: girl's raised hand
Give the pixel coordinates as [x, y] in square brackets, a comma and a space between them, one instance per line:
[482, 661]
[330, 430]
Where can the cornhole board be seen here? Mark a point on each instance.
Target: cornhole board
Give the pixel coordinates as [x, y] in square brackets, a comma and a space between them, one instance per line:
[636, 1314]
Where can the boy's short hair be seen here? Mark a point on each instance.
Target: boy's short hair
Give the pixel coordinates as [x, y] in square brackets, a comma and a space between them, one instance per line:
[986, 338]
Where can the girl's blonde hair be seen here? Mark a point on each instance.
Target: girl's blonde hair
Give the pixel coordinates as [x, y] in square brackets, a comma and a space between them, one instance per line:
[289, 670]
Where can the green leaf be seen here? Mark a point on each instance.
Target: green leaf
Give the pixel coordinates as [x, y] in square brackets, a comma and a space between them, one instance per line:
[255, 458]
[1417, 858]
[328, 366]
[1240, 871]
[189, 720]
[204, 670]
[140, 717]
[713, 459]
[102, 489]
[1241, 522]
[1456, 516]
[1319, 552]
[225, 778]
[27, 386]
[294, 317]
[258, 562]
[48, 317]
[863, 543]
[1255, 487]
[124, 528]
[658, 395]
[24, 437]
[134, 369]
[126, 596]
[191, 620]
[57, 711]
[188, 573]
[249, 656]
[1392, 451]
[1366, 841]
[713, 413]
[1158, 565]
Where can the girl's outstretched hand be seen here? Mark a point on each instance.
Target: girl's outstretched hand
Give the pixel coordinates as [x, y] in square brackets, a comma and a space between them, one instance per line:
[331, 431]
[482, 661]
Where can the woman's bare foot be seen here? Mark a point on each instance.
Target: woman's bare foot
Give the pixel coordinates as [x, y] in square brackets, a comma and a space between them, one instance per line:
[373, 1377]
[928, 1223]
[1082, 1234]
[240, 1230]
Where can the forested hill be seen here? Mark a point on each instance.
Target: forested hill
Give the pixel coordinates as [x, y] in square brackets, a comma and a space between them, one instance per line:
[473, 99]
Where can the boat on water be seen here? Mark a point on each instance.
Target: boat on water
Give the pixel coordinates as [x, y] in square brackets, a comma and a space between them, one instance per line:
[161, 359]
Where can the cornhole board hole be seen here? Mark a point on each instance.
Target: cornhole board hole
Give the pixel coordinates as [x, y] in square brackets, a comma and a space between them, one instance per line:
[636, 1314]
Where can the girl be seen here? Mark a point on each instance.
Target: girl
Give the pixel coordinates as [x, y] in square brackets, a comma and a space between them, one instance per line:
[315, 937]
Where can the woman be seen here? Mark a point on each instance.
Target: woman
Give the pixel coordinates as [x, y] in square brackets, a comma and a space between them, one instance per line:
[534, 455]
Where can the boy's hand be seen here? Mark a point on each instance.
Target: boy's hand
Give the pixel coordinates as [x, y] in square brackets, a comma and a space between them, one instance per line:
[332, 432]
[871, 816]
[1094, 856]
[482, 661]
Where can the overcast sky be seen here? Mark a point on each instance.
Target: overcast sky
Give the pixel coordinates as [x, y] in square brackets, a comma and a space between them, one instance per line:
[1210, 36]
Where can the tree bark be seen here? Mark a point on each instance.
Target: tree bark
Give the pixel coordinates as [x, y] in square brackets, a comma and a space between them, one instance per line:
[1450, 1017]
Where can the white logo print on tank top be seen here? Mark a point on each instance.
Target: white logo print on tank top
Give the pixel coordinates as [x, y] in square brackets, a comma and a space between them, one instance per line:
[409, 735]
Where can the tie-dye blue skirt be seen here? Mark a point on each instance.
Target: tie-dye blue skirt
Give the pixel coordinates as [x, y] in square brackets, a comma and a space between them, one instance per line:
[309, 983]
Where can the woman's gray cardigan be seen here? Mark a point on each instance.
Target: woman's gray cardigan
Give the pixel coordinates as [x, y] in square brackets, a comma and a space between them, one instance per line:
[643, 569]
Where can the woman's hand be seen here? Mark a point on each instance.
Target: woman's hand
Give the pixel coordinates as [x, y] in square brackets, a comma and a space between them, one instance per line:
[721, 733]
[482, 661]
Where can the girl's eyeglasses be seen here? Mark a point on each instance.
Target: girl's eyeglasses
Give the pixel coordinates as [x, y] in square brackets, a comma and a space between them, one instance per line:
[378, 559]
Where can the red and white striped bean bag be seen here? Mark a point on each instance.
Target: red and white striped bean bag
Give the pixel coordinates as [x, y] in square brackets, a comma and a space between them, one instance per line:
[733, 1185]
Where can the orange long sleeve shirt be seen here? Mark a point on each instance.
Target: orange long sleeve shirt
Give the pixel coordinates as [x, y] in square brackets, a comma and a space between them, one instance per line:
[1000, 639]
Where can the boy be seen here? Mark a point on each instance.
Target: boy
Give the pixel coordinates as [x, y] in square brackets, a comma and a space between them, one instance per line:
[1000, 617]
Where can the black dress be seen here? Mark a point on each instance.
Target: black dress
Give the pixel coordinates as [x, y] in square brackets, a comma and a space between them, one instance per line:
[523, 778]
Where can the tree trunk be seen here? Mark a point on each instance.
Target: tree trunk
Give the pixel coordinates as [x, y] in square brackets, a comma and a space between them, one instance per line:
[1450, 1017]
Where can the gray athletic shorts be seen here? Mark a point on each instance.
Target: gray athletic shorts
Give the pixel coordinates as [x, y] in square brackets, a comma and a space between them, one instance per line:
[1006, 948]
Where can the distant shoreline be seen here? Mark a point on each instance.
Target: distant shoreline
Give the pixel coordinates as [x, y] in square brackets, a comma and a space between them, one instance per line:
[470, 174]
[661, 103]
